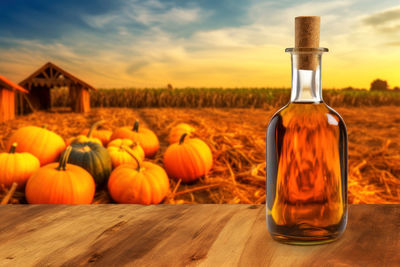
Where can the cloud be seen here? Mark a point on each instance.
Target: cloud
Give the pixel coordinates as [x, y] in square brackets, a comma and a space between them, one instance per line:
[279, 14]
[386, 22]
[136, 66]
[152, 4]
[383, 17]
[99, 21]
[173, 15]
[116, 53]
[393, 43]
[148, 13]
[137, 57]
[270, 24]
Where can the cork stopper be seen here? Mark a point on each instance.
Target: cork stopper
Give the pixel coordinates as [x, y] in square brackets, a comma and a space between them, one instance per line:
[307, 29]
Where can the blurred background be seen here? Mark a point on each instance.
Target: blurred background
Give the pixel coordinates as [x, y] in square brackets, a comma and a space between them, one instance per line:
[218, 66]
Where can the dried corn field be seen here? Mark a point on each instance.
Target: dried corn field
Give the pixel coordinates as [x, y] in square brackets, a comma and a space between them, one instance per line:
[237, 139]
[222, 98]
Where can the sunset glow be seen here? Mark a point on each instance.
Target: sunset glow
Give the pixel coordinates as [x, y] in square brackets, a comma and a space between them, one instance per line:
[113, 44]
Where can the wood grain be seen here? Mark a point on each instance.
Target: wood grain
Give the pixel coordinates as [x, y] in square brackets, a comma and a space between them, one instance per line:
[184, 235]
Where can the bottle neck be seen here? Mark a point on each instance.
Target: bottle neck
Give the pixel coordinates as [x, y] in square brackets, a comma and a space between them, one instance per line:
[306, 77]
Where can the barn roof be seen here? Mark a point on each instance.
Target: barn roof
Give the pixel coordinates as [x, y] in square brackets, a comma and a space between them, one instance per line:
[5, 83]
[51, 75]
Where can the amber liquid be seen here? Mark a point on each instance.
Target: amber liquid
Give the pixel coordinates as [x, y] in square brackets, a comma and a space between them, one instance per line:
[306, 174]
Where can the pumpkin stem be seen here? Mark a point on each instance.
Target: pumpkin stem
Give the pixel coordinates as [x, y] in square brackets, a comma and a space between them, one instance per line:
[94, 127]
[182, 138]
[13, 148]
[136, 126]
[129, 151]
[44, 126]
[64, 159]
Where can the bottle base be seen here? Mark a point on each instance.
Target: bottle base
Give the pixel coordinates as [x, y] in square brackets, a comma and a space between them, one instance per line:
[305, 240]
[304, 233]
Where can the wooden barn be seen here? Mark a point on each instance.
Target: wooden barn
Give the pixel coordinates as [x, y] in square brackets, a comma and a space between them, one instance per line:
[7, 98]
[50, 76]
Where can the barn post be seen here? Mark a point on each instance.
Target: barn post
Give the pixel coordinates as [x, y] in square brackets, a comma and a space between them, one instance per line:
[2, 112]
[84, 100]
[11, 104]
[73, 97]
[20, 104]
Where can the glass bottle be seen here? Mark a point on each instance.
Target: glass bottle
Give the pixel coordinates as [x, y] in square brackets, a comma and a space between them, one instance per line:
[306, 161]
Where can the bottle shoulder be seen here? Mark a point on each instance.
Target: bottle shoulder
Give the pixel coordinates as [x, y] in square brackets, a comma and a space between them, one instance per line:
[307, 115]
[277, 115]
[280, 111]
[336, 115]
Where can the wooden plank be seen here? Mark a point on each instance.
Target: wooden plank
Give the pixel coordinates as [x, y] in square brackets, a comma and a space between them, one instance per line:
[45, 74]
[184, 235]
[50, 82]
[54, 234]
[84, 100]
[235, 233]
[7, 84]
[29, 103]
[7, 105]
[79, 99]
[56, 73]
[196, 232]
[371, 239]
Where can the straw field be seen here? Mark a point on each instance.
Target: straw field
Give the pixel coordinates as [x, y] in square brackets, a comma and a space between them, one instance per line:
[237, 140]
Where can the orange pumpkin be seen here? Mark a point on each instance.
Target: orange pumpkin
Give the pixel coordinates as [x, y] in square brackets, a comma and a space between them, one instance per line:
[40, 142]
[145, 137]
[188, 160]
[60, 183]
[145, 184]
[102, 135]
[88, 137]
[17, 167]
[121, 151]
[176, 132]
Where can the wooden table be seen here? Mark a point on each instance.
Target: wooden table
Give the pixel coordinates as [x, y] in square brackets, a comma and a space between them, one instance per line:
[184, 235]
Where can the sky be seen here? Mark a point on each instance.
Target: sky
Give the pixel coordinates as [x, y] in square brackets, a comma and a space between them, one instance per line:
[197, 43]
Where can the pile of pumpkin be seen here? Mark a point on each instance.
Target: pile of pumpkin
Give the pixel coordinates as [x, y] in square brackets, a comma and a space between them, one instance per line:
[52, 171]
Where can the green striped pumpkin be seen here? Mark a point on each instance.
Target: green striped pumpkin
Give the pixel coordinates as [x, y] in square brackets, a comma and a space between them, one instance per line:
[94, 158]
